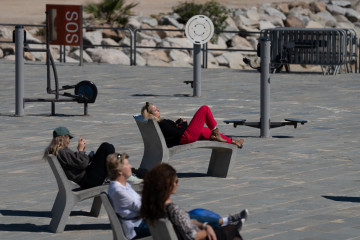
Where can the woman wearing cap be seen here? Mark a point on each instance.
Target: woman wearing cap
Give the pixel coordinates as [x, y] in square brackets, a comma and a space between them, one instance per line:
[127, 203]
[163, 181]
[78, 166]
[180, 132]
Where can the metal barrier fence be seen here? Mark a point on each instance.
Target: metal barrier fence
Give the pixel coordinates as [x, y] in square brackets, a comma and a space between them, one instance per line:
[352, 50]
[329, 48]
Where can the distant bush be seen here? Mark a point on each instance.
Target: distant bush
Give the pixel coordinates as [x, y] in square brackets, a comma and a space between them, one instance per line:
[40, 32]
[213, 10]
[111, 10]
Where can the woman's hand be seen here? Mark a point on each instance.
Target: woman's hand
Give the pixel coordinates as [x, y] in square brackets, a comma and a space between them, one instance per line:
[180, 122]
[81, 144]
[210, 232]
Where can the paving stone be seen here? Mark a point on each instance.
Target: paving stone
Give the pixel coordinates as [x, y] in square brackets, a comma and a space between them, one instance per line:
[299, 184]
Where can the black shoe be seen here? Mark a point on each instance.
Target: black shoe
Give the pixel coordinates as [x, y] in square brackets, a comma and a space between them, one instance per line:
[239, 216]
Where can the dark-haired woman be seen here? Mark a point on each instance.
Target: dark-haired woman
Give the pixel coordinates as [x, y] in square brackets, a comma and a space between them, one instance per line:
[163, 181]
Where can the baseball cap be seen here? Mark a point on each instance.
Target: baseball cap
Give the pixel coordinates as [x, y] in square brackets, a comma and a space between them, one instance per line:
[59, 131]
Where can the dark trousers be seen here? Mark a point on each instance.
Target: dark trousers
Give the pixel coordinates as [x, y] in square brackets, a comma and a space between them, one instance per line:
[96, 171]
[142, 230]
[229, 232]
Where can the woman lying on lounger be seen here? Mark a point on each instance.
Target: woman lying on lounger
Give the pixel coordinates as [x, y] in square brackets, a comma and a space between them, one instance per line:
[127, 203]
[159, 184]
[180, 132]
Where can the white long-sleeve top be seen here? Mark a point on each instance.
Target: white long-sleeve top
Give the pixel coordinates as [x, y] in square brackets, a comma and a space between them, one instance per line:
[126, 203]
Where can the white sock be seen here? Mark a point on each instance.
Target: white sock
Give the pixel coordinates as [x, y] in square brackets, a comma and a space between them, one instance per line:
[225, 221]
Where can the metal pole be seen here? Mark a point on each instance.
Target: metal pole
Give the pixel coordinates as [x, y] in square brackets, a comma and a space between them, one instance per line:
[81, 40]
[61, 57]
[19, 70]
[64, 54]
[197, 71]
[134, 52]
[265, 87]
[206, 55]
[131, 48]
[48, 77]
[85, 109]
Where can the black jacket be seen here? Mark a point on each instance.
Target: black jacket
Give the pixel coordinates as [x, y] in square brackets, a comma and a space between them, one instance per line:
[172, 131]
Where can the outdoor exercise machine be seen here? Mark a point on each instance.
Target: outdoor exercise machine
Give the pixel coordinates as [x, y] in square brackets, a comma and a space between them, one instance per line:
[265, 123]
[199, 30]
[85, 91]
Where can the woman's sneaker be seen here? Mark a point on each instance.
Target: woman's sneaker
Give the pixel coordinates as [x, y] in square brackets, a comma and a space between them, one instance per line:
[134, 180]
[240, 224]
[239, 217]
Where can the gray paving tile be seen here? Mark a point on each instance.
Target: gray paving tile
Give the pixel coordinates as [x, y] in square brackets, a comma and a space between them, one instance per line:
[300, 184]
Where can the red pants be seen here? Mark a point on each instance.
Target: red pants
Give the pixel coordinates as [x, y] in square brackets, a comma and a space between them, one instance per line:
[196, 130]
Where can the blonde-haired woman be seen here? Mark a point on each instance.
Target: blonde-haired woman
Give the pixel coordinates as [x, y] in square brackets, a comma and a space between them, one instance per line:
[125, 201]
[180, 132]
[78, 166]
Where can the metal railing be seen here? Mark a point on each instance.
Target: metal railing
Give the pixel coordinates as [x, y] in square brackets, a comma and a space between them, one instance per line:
[326, 47]
[204, 48]
[134, 45]
[131, 35]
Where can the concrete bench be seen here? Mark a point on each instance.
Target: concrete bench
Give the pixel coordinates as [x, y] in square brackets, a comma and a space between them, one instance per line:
[163, 229]
[68, 195]
[156, 150]
[118, 233]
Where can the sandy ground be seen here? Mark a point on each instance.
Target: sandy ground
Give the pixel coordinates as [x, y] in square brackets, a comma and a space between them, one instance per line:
[33, 11]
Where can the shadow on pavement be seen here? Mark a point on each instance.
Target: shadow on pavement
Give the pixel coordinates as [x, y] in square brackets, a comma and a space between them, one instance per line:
[29, 227]
[343, 198]
[24, 227]
[191, 175]
[95, 226]
[155, 95]
[27, 213]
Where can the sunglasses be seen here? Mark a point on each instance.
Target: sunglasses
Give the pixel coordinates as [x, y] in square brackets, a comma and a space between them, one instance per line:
[147, 105]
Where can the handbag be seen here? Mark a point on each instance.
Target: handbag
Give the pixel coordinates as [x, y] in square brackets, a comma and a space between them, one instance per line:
[204, 213]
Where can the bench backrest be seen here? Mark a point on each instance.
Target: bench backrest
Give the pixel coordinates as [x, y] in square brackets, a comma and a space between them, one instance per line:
[153, 138]
[114, 220]
[64, 184]
[163, 229]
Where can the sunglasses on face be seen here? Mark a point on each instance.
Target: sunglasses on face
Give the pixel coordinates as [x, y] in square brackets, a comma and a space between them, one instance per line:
[147, 104]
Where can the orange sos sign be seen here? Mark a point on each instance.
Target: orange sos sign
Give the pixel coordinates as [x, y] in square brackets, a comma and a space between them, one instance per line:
[65, 24]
